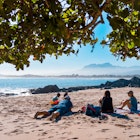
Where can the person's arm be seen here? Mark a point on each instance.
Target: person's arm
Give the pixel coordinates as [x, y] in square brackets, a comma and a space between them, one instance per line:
[100, 102]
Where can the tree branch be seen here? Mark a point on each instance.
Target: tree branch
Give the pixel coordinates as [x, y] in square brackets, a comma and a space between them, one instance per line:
[95, 18]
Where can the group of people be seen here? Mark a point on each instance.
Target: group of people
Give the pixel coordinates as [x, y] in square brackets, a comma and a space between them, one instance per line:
[59, 108]
[107, 104]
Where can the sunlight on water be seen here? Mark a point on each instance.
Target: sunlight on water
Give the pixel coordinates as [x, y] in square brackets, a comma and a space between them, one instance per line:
[21, 86]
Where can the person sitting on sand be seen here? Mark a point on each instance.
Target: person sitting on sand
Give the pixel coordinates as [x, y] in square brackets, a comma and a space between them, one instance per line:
[63, 107]
[55, 100]
[131, 102]
[106, 103]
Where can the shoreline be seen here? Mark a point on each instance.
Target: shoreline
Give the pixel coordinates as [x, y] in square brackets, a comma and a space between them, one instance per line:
[119, 83]
[68, 76]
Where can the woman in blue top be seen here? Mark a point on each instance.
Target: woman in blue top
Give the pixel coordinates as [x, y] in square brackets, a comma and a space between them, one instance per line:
[131, 102]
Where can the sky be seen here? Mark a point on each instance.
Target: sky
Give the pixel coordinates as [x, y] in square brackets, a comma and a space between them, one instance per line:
[72, 63]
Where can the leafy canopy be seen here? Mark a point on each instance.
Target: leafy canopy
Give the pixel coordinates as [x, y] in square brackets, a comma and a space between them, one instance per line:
[39, 27]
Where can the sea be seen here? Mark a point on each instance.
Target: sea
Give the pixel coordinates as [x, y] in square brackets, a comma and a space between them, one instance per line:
[21, 86]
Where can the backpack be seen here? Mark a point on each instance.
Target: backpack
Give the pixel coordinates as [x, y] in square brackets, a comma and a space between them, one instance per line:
[92, 110]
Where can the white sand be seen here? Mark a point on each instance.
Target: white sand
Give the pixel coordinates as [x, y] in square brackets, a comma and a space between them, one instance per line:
[17, 123]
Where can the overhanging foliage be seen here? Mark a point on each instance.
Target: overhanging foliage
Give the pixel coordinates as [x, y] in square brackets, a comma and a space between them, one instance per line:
[40, 27]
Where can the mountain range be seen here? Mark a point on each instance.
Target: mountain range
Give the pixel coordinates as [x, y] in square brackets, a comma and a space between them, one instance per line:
[105, 69]
[108, 69]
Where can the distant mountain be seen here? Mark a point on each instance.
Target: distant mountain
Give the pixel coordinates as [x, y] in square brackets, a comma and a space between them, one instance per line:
[104, 65]
[108, 69]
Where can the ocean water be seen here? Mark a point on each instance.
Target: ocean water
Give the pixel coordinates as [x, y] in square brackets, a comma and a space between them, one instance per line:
[21, 86]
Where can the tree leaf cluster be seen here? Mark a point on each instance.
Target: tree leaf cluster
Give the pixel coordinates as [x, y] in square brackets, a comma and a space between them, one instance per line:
[124, 39]
[39, 27]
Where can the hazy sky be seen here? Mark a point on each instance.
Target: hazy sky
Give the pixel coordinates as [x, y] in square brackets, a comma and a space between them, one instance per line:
[70, 64]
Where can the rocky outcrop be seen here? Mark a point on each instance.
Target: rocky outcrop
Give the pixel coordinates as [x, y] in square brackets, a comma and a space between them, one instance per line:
[134, 82]
[70, 89]
[46, 89]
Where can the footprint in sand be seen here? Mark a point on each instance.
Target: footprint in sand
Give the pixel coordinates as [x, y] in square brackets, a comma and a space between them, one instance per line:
[40, 130]
[104, 130]
[42, 139]
[50, 137]
[19, 127]
[34, 126]
[15, 121]
[14, 132]
[45, 123]
[44, 133]
[75, 138]
[26, 132]
[123, 126]
[138, 126]
[134, 136]
[29, 123]
[63, 138]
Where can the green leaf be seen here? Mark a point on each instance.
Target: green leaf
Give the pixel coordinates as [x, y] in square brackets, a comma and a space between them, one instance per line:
[34, 1]
[135, 13]
[131, 45]
[11, 57]
[2, 47]
[69, 1]
[132, 32]
[126, 19]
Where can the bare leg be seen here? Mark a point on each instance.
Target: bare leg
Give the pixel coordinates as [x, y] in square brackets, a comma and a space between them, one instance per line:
[127, 102]
[54, 116]
[43, 114]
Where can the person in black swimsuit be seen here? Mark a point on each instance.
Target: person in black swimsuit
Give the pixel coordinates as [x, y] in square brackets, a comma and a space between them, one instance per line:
[106, 103]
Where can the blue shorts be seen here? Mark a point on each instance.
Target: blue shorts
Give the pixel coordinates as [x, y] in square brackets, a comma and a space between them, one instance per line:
[133, 109]
[62, 110]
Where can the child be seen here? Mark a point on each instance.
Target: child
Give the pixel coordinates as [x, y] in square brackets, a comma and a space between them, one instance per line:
[55, 100]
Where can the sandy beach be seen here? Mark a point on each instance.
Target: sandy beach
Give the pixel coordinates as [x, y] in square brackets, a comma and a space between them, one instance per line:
[17, 122]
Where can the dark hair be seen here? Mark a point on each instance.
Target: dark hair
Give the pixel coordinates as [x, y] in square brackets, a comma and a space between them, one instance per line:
[58, 94]
[66, 93]
[130, 92]
[107, 93]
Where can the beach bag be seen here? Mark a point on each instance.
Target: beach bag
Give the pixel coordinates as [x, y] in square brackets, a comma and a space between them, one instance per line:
[92, 110]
